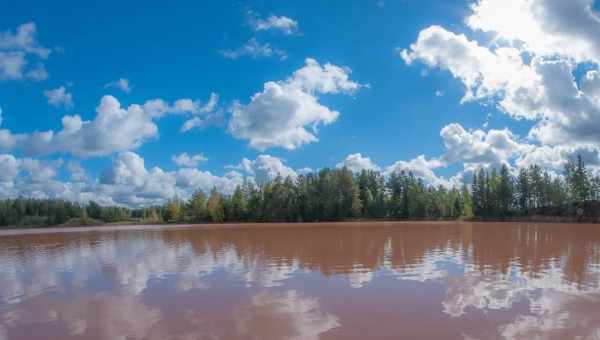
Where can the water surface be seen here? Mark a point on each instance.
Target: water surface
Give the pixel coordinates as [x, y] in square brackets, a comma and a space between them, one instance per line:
[329, 281]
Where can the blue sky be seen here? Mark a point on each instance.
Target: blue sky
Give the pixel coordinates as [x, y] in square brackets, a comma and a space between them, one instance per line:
[398, 110]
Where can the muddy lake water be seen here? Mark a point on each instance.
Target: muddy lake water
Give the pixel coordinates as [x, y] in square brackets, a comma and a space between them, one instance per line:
[380, 280]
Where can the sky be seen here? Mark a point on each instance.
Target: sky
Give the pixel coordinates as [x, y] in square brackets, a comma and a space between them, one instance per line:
[134, 105]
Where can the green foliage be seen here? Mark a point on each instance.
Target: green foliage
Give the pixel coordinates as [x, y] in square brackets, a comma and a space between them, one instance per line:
[173, 212]
[215, 207]
[338, 194]
[533, 190]
[197, 207]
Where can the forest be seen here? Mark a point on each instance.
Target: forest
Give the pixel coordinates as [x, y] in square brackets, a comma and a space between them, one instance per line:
[340, 195]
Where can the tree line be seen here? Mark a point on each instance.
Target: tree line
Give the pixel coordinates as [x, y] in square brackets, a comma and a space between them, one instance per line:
[339, 194]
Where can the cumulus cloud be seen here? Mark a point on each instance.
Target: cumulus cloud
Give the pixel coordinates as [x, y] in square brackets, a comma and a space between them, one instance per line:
[571, 112]
[478, 146]
[59, 97]
[121, 84]
[529, 71]
[422, 168]
[254, 49]
[194, 179]
[27, 176]
[113, 129]
[211, 104]
[187, 161]
[280, 115]
[484, 73]
[130, 183]
[201, 122]
[11, 65]
[39, 171]
[265, 168]
[297, 316]
[7, 139]
[554, 158]
[127, 181]
[23, 39]
[282, 24]
[544, 27]
[356, 163]
[9, 168]
[18, 50]
[157, 108]
[203, 113]
[76, 171]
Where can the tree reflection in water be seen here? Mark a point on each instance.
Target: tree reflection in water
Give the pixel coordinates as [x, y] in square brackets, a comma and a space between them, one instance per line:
[304, 282]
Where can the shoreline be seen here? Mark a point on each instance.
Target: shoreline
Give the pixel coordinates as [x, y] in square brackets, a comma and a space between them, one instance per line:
[8, 231]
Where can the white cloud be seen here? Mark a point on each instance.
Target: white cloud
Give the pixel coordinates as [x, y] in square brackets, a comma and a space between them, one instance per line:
[297, 316]
[265, 168]
[252, 48]
[113, 129]
[11, 65]
[7, 140]
[157, 108]
[77, 172]
[39, 171]
[211, 104]
[571, 112]
[37, 73]
[193, 123]
[356, 163]
[554, 158]
[544, 27]
[204, 115]
[278, 117]
[422, 168]
[59, 96]
[15, 52]
[280, 114]
[127, 168]
[529, 70]
[121, 84]
[9, 168]
[193, 179]
[126, 182]
[283, 24]
[216, 119]
[480, 147]
[23, 39]
[484, 73]
[185, 160]
[132, 184]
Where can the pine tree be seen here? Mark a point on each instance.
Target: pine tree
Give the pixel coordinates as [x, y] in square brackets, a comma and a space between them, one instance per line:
[578, 180]
[238, 205]
[197, 207]
[505, 191]
[467, 199]
[83, 218]
[215, 208]
[523, 190]
[174, 211]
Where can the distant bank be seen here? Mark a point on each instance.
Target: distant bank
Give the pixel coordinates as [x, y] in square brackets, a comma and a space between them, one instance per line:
[73, 226]
[342, 195]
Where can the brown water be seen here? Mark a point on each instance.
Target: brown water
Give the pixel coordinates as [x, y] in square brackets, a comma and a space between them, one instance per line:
[339, 281]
